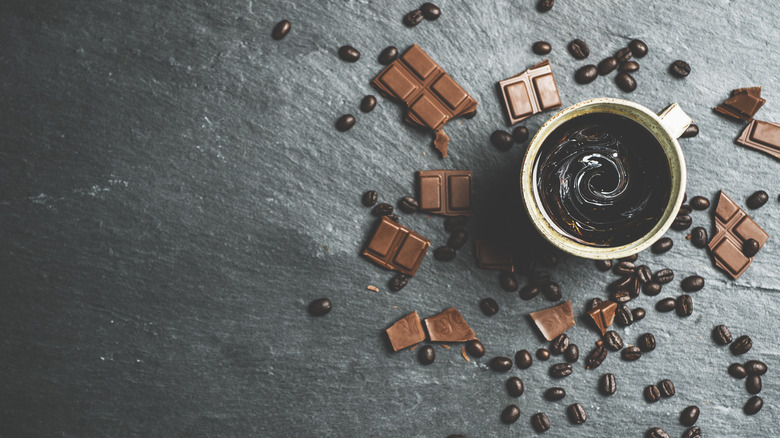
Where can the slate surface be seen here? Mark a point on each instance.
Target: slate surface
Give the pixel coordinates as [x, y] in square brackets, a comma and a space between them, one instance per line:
[173, 194]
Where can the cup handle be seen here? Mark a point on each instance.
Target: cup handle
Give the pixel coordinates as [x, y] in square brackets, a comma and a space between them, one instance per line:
[674, 120]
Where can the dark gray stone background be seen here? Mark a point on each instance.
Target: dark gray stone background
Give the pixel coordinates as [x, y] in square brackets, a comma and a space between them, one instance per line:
[173, 194]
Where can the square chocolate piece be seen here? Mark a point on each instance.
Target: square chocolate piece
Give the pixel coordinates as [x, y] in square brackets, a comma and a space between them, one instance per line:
[555, 320]
[761, 136]
[732, 228]
[448, 326]
[445, 192]
[406, 332]
[396, 247]
[492, 256]
[530, 92]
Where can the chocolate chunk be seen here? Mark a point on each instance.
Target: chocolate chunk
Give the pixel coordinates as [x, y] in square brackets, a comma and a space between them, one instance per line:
[406, 332]
[743, 104]
[554, 320]
[445, 192]
[603, 315]
[396, 247]
[490, 256]
[761, 136]
[530, 92]
[732, 227]
[388, 55]
[680, 69]
[541, 47]
[368, 103]
[448, 326]
[281, 30]
[345, 122]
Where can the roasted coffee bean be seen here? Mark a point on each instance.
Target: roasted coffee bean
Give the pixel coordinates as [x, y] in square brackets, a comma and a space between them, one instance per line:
[507, 280]
[680, 69]
[624, 268]
[633, 290]
[623, 55]
[607, 65]
[458, 239]
[430, 11]
[475, 348]
[368, 103]
[520, 134]
[603, 265]
[631, 353]
[426, 355]
[586, 74]
[559, 344]
[666, 305]
[407, 204]
[392, 217]
[684, 209]
[663, 276]
[369, 198]
[382, 209]
[510, 414]
[455, 223]
[542, 354]
[666, 387]
[693, 432]
[554, 394]
[595, 302]
[689, 415]
[388, 55]
[281, 30]
[444, 254]
[607, 384]
[625, 82]
[721, 335]
[753, 384]
[644, 274]
[560, 370]
[502, 140]
[541, 47]
[638, 48]
[523, 359]
[662, 245]
[320, 307]
[691, 131]
[657, 432]
[552, 291]
[529, 291]
[515, 387]
[700, 203]
[500, 364]
[750, 247]
[699, 237]
[579, 49]
[595, 357]
[682, 222]
[539, 421]
[623, 316]
[345, 122]
[612, 340]
[651, 289]
[413, 18]
[646, 342]
[620, 296]
[741, 345]
[737, 371]
[638, 313]
[489, 306]
[576, 414]
[694, 283]
[348, 53]
[544, 5]
[398, 282]
[684, 305]
[755, 367]
[652, 393]
[757, 199]
[753, 405]
[629, 67]
[572, 353]
[622, 283]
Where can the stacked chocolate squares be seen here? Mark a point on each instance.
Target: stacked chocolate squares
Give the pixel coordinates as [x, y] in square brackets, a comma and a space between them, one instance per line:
[743, 104]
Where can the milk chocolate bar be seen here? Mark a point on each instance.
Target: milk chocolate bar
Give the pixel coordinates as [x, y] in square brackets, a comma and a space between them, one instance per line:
[445, 192]
[743, 104]
[732, 228]
[530, 92]
[432, 96]
[761, 136]
[448, 326]
[554, 321]
[396, 247]
[406, 332]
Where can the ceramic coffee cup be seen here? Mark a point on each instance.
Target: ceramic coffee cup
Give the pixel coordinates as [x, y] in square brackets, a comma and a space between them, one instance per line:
[665, 127]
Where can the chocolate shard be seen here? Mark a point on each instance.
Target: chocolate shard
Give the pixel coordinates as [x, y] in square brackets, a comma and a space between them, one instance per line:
[732, 228]
[555, 320]
[761, 136]
[603, 315]
[530, 92]
[492, 256]
[432, 97]
[396, 247]
[449, 326]
[406, 332]
[743, 104]
[445, 192]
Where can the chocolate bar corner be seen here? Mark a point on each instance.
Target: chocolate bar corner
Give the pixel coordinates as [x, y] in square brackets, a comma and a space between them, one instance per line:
[530, 92]
[732, 228]
[396, 247]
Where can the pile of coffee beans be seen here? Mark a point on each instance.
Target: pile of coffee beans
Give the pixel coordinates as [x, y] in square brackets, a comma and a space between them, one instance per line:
[751, 371]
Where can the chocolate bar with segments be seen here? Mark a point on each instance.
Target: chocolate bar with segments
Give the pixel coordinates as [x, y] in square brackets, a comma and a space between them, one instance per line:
[732, 228]
[396, 247]
[761, 136]
[445, 192]
[530, 92]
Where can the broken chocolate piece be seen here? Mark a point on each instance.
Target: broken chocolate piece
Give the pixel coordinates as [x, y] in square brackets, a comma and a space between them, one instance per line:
[406, 332]
[445, 192]
[492, 256]
[448, 326]
[432, 96]
[530, 92]
[396, 247]
[761, 136]
[743, 104]
[603, 315]
[732, 228]
[554, 321]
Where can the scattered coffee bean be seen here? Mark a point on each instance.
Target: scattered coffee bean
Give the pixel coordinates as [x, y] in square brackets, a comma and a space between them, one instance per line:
[554, 394]
[281, 30]
[595, 302]
[392, 217]
[529, 291]
[514, 386]
[682, 222]
[398, 282]
[586, 74]
[559, 344]
[407, 204]
[345, 122]
[753, 405]
[510, 414]
[388, 55]
[757, 200]
[638, 48]
[426, 355]
[320, 307]
[625, 82]
[502, 140]
[666, 387]
[620, 296]
[507, 280]
[523, 359]
[603, 265]
[700, 203]
[684, 209]
[624, 268]
[368, 103]
[489, 306]
[348, 53]
[646, 342]
[755, 367]
[665, 305]
[680, 69]
[693, 432]
[663, 276]
[607, 384]
[651, 289]
[444, 254]
[721, 335]
[737, 371]
[699, 237]
[541, 47]
[612, 340]
[644, 274]
[662, 245]
[552, 291]
[691, 131]
[629, 67]
[652, 393]
[689, 416]
[607, 65]
[458, 239]
[430, 11]
[753, 384]
[657, 432]
[623, 316]
[741, 345]
[542, 354]
[684, 305]
[576, 414]
[369, 198]
[560, 370]
[500, 364]
[750, 247]
[413, 18]
[638, 313]
[382, 209]
[623, 55]
[631, 353]
[694, 283]
[520, 134]
[539, 421]
[595, 357]
[475, 348]
[622, 283]
[579, 49]
[455, 223]
[544, 5]
[572, 353]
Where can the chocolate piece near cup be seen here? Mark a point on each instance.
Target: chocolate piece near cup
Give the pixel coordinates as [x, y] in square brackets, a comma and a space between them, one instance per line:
[445, 192]
[530, 92]
[448, 326]
[406, 332]
[554, 321]
[603, 315]
[732, 228]
[431, 95]
[493, 256]
[761, 136]
[743, 104]
[396, 247]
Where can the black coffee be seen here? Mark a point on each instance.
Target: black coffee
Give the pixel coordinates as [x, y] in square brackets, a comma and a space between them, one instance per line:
[603, 179]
